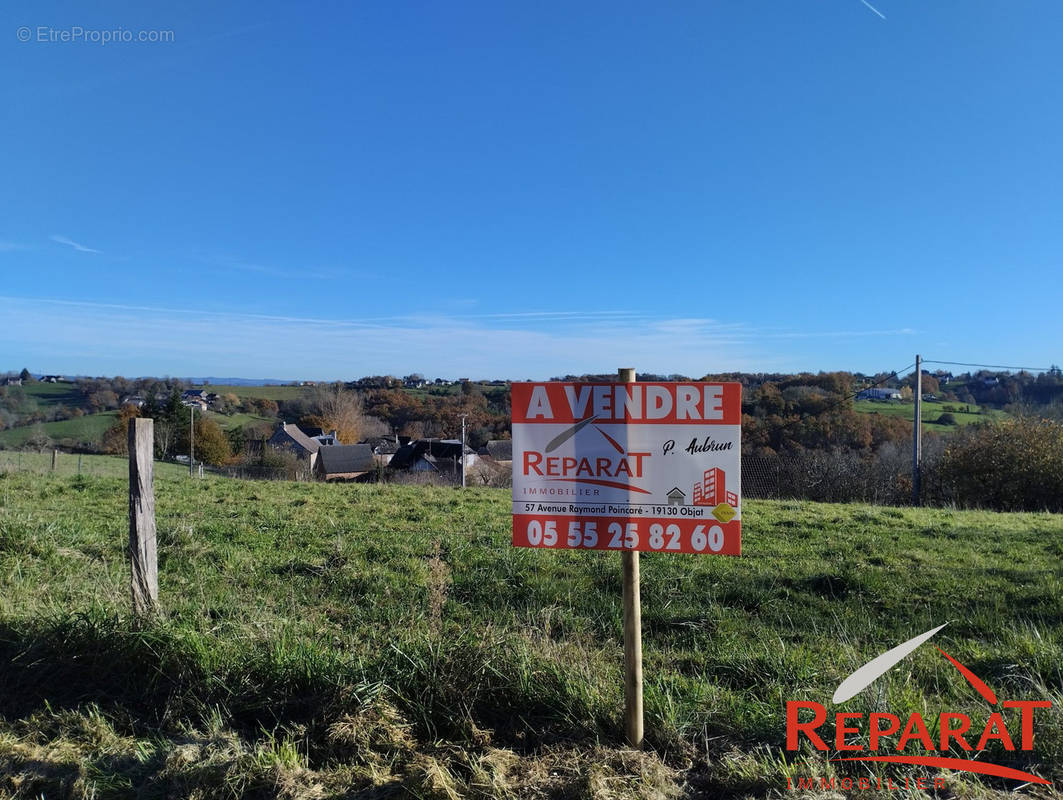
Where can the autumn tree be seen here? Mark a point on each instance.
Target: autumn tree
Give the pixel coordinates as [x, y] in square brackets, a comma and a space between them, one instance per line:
[1014, 465]
[212, 445]
[337, 409]
[116, 439]
[102, 400]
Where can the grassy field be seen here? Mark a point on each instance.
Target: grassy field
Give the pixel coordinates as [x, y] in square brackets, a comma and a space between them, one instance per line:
[931, 412]
[267, 392]
[50, 393]
[369, 641]
[89, 428]
[238, 420]
[67, 465]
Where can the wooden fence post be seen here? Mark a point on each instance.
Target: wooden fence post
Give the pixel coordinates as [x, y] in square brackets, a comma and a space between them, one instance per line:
[142, 547]
[633, 720]
[55, 457]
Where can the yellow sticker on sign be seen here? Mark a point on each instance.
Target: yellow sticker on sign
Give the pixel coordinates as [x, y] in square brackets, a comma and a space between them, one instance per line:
[723, 512]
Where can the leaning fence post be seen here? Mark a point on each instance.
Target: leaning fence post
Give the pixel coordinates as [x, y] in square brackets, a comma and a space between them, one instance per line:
[142, 547]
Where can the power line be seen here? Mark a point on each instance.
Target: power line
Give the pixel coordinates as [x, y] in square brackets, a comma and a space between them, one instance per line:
[985, 366]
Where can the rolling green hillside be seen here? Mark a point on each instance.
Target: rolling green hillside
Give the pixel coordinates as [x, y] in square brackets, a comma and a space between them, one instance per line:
[50, 393]
[382, 641]
[89, 428]
[931, 411]
[267, 392]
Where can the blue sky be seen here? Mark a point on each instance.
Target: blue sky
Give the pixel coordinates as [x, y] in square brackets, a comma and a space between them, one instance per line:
[522, 190]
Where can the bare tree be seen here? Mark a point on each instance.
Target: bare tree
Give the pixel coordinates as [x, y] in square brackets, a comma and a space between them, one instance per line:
[343, 411]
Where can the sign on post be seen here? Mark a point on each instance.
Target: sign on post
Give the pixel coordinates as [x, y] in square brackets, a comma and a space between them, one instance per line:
[628, 466]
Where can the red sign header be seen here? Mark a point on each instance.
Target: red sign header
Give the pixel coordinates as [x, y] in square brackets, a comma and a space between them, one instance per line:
[692, 403]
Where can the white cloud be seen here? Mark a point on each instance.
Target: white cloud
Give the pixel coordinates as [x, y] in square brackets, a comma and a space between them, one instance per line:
[84, 337]
[75, 336]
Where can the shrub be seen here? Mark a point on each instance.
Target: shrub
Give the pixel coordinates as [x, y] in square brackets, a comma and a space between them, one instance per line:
[1015, 465]
[947, 419]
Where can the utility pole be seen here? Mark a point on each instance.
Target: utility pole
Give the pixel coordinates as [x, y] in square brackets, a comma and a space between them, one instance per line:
[192, 441]
[463, 451]
[917, 433]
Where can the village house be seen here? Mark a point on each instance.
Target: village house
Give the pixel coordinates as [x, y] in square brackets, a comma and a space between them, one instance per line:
[413, 457]
[344, 462]
[439, 455]
[329, 439]
[498, 451]
[289, 437]
[879, 394]
[385, 447]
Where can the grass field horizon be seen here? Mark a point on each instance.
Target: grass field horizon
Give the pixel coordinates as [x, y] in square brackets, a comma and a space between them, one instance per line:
[91, 465]
[90, 428]
[932, 411]
[378, 641]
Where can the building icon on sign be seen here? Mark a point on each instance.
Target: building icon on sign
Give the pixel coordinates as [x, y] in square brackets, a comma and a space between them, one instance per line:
[676, 497]
[712, 489]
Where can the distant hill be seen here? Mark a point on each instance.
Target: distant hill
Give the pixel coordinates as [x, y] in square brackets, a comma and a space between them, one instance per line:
[238, 381]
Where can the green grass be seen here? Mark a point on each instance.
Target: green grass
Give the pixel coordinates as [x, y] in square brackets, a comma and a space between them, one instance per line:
[50, 393]
[89, 428]
[325, 640]
[91, 465]
[432, 390]
[931, 412]
[239, 420]
[267, 392]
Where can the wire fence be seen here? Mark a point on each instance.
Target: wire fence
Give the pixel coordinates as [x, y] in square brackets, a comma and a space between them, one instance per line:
[883, 477]
[63, 463]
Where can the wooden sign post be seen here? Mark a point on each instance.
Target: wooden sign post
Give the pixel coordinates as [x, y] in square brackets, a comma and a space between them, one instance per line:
[628, 466]
[633, 721]
[142, 545]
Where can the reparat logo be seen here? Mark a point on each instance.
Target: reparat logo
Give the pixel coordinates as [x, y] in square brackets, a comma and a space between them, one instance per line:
[951, 727]
[600, 470]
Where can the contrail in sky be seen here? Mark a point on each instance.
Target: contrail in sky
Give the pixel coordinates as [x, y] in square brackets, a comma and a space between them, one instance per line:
[873, 8]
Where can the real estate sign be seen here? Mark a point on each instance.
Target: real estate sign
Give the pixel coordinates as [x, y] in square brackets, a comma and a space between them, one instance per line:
[628, 466]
